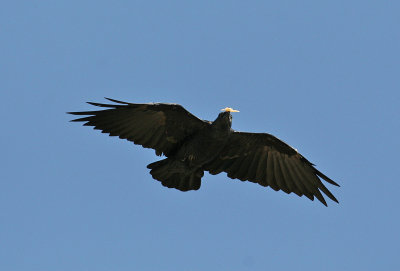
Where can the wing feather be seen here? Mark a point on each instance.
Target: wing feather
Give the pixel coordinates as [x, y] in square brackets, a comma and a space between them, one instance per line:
[158, 126]
[243, 168]
[292, 179]
[252, 171]
[234, 167]
[260, 174]
[271, 177]
[279, 176]
[268, 161]
[301, 182]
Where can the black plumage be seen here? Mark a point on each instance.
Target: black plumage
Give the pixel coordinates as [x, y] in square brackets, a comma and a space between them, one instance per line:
[192, 146]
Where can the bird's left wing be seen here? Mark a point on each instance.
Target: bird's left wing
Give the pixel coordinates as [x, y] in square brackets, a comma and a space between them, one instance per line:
[158, 126]
[268, 161]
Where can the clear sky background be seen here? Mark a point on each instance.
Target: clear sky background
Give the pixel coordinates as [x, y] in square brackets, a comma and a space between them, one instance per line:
[321, 75]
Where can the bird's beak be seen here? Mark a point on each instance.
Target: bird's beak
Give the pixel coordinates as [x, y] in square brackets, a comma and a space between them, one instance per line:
[228, 109]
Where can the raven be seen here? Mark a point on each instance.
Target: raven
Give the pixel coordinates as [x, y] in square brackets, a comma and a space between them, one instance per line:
[192, 146]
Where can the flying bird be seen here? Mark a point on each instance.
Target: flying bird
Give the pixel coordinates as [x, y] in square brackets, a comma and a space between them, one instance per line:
[192, 146]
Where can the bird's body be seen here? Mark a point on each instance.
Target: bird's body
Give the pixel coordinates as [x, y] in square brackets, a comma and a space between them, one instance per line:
[184, 168]
[192, 146]
[205, 145]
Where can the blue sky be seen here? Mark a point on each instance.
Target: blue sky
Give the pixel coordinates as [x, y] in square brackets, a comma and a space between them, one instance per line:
[321, 75]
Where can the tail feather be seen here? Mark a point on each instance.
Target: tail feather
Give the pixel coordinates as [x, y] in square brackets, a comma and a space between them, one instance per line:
[176, 174]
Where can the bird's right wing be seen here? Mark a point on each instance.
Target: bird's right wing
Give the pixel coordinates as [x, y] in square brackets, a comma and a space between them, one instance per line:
[158, 126]
[268, 161]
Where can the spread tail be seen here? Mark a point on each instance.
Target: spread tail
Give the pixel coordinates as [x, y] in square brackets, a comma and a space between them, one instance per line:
[176, 174]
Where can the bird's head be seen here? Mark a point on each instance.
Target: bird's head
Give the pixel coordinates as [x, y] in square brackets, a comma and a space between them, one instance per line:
[225, 117]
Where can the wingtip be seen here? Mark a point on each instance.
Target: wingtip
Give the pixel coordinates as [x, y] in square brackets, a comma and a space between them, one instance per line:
[326, 178]
[104, 105]
[319, 196]
[115, 101]
[333, 198]
[73, 113]
[98, 104]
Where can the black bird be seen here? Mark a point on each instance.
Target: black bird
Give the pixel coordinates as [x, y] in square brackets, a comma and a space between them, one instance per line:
[193, 146]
